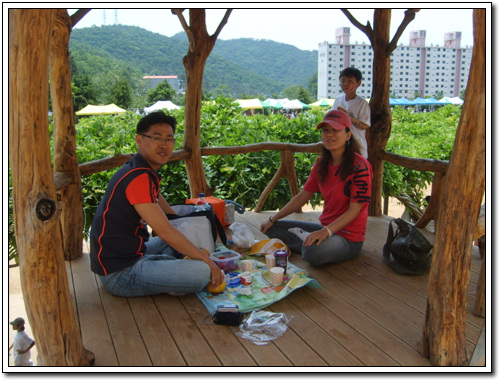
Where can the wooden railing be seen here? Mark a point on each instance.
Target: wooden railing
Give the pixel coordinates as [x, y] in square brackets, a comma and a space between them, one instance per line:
[287, 168]
[439, 168]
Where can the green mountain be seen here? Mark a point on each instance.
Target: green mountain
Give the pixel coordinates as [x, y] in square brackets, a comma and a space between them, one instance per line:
[245, 66]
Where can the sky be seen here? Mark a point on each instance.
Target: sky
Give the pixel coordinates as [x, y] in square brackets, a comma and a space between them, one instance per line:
[304, 26]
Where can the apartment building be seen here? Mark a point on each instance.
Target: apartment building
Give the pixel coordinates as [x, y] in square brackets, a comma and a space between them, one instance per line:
[416, 69]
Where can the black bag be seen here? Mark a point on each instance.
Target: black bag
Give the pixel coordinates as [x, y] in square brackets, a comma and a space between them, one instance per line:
[410, 250]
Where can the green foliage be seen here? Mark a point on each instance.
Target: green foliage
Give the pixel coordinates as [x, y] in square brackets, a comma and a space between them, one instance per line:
[427, 135]
[243, 177]
[162, 92]
[121, 93]
[246, 66]
[84, 92]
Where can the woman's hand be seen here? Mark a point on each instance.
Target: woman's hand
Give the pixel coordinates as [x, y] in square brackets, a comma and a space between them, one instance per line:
[318, 236]
[265, 225]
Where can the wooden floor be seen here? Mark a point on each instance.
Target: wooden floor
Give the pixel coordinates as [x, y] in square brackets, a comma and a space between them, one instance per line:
[365, 315]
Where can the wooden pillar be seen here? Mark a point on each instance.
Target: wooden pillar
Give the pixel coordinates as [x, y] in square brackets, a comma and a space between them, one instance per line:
[380, 130]
[480, 303]
[65, 160]
[444, 334]
[200, 47]
[36, 212]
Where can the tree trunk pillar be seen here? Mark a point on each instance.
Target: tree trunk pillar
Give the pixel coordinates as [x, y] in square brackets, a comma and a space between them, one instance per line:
[36, 213]
[200, 46]
[65, 160]
[444, 334]
[378, 133]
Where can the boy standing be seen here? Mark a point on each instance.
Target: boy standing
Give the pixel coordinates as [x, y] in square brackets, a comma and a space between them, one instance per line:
[357, 108]
[22, 344]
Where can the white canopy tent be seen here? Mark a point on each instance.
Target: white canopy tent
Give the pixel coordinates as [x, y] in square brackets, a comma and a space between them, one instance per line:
[455, 100]
[159, 105]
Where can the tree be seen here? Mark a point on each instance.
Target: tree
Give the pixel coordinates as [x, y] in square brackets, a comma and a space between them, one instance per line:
[162, 92]
[378, 133]
[222, 91]
[84, 92]
[34, 34]
[304, 96]
[121, 93]
[200, 47]
[312, 85]
[291, 92]
[445, 324]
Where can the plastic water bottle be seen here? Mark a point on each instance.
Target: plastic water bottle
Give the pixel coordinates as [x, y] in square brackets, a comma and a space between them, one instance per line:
[201, 204]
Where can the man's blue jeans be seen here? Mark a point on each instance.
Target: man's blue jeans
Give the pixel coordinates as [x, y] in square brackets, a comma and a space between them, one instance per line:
[335, 249]
[158, 271]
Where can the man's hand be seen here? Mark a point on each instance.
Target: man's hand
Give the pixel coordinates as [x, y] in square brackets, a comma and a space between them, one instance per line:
[216, 276]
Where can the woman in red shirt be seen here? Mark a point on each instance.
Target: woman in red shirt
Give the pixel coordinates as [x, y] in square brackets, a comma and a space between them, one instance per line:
[344, 178]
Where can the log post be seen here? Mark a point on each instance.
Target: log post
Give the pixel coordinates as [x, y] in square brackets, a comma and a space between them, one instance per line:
[36, 212]
[480, 303]
[200, 47]
[432, 210]
[65, 160]
[287, 170]
[378, 134]
[444, 334]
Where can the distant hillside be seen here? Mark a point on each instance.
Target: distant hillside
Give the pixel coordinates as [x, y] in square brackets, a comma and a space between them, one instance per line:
[244, 65]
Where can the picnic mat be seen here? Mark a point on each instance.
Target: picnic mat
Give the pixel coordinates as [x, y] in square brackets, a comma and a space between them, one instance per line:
[263, 292]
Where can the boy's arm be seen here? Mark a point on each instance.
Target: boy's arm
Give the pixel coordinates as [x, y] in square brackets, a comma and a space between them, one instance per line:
[27, 349]
[355, 122]
[359, 124]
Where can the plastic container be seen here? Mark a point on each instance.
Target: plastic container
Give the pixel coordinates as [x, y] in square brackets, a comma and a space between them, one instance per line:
[233, 282]
[246, 278]
[227, 260]
[201, 204]
[281, 259]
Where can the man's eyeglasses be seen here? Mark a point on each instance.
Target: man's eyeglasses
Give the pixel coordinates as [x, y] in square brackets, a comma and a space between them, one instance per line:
[158, 140]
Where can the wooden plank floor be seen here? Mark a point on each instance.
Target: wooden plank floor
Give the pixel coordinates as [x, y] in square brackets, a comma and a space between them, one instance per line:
[365, 315]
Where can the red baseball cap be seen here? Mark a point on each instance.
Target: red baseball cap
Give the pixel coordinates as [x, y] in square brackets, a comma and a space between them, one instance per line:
[338, 119]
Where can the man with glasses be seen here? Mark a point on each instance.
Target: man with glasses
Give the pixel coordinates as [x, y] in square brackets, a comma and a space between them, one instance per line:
[357, 107]
[128, 262]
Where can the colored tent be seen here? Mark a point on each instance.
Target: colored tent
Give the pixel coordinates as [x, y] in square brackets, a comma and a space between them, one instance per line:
[276, 104]
[294, 104]
[254, 103]
[100, 110]
[323, 102]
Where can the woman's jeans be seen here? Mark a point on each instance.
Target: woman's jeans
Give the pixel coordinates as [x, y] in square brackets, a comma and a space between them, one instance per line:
[158, 271]
[334, 249]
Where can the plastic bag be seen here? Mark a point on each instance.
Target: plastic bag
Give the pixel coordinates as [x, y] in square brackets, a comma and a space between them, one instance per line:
[263, 326]
[242, 235]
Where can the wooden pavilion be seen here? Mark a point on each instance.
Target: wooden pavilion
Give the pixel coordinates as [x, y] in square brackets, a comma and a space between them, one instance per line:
[48, 217]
